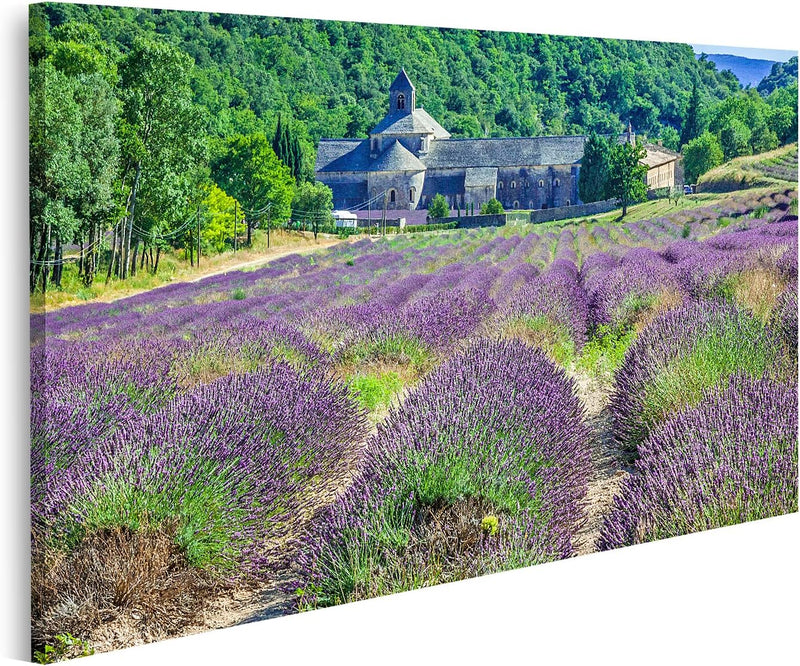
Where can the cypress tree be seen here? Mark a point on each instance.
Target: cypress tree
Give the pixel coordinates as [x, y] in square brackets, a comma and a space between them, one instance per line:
[593, 177]
[692, 123]
[287, 148]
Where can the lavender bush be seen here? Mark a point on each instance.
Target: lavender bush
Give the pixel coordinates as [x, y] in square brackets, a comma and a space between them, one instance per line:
[731, 459]
[239, 463]
[495, 434]
[682, 353]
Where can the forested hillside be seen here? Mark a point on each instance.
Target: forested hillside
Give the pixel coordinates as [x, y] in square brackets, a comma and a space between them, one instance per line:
[334, 76]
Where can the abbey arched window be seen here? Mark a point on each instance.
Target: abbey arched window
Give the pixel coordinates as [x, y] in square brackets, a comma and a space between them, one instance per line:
[500, 185]
[568, 203]
[392, 196]
[401, 101]
[412, 193]
[541, 183]
[530, 205]
[513, 185]
[556, 183]
[516, 204]
[374, 145]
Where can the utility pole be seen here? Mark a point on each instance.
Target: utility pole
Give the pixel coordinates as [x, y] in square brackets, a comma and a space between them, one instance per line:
[269, 221]
[383, 218]
[235, 214]
[198, 236]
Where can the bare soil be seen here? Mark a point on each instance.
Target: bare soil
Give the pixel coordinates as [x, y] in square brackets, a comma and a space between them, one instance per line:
[610, 464]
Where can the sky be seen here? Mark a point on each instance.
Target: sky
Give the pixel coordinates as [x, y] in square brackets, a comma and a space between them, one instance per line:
[775, 55]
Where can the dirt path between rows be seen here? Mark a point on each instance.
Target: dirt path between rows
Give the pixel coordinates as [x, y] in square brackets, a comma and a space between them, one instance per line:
[610, 464]
[277, 254]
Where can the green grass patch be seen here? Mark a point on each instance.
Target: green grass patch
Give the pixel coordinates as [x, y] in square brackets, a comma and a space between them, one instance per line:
[375, 391]
[711, 362]
[395, 349]
[541, 331]
[605, 350]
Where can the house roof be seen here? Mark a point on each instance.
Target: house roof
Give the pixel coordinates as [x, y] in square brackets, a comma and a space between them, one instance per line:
[507, 152]
[658, 155]
[353, 154]
[343, 155]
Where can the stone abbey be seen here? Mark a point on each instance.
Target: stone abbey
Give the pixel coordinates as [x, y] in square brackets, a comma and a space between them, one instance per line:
[411, 157]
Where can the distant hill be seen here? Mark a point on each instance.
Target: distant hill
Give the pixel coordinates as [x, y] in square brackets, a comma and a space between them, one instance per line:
[783, 75]
[749, 71]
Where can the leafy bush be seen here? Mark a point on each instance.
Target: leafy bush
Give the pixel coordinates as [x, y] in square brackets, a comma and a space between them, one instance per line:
[492, 207]
[438, 207]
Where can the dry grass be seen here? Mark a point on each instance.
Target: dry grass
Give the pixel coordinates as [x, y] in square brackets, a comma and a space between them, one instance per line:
[668, 299]
[758, 289]
[174, 268]
[116, 588]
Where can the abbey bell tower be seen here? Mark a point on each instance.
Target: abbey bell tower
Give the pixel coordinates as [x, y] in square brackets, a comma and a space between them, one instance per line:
[402, 95]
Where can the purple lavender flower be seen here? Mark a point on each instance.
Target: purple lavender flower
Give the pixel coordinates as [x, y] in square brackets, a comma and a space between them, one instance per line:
[731, 459]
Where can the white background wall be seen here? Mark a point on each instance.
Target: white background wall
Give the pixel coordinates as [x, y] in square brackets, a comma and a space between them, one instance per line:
[724, 597]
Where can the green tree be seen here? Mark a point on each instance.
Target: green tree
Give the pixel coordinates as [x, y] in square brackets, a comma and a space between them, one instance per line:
[593, 176]
[163, 141]
[287, 147]
[58, 172]
[693, 122]
[783, 113]
[312, 204]
[670, 138]
[99, 146]
[218, 210]
[438, 207]
[626, 174]
[701, 155]
[250, 171]
[492, 207]
[734, 137]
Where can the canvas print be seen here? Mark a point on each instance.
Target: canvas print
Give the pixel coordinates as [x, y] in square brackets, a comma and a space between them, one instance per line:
[323, 311]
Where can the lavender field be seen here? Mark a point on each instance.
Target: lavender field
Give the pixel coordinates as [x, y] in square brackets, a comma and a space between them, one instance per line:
[395, 413]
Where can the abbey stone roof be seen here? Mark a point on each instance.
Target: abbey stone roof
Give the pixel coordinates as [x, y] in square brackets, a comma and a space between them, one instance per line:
[402, 81]
[397, 158]
[336, 155]
[418, 121]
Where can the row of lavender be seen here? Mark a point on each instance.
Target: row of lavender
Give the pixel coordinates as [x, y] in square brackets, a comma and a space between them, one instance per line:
[227, 406]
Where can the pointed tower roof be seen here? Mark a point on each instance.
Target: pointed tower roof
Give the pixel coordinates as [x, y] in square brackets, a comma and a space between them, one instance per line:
[401, 81]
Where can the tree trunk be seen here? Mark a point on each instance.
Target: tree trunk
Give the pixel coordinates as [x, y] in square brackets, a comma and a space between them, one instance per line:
[80, 260]
[158, 255]
[38, 264]
[113, 254]
[133, 262]
[144, 256]
[44, 267]
[129, 232]
[88, 261]
[58, 256]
